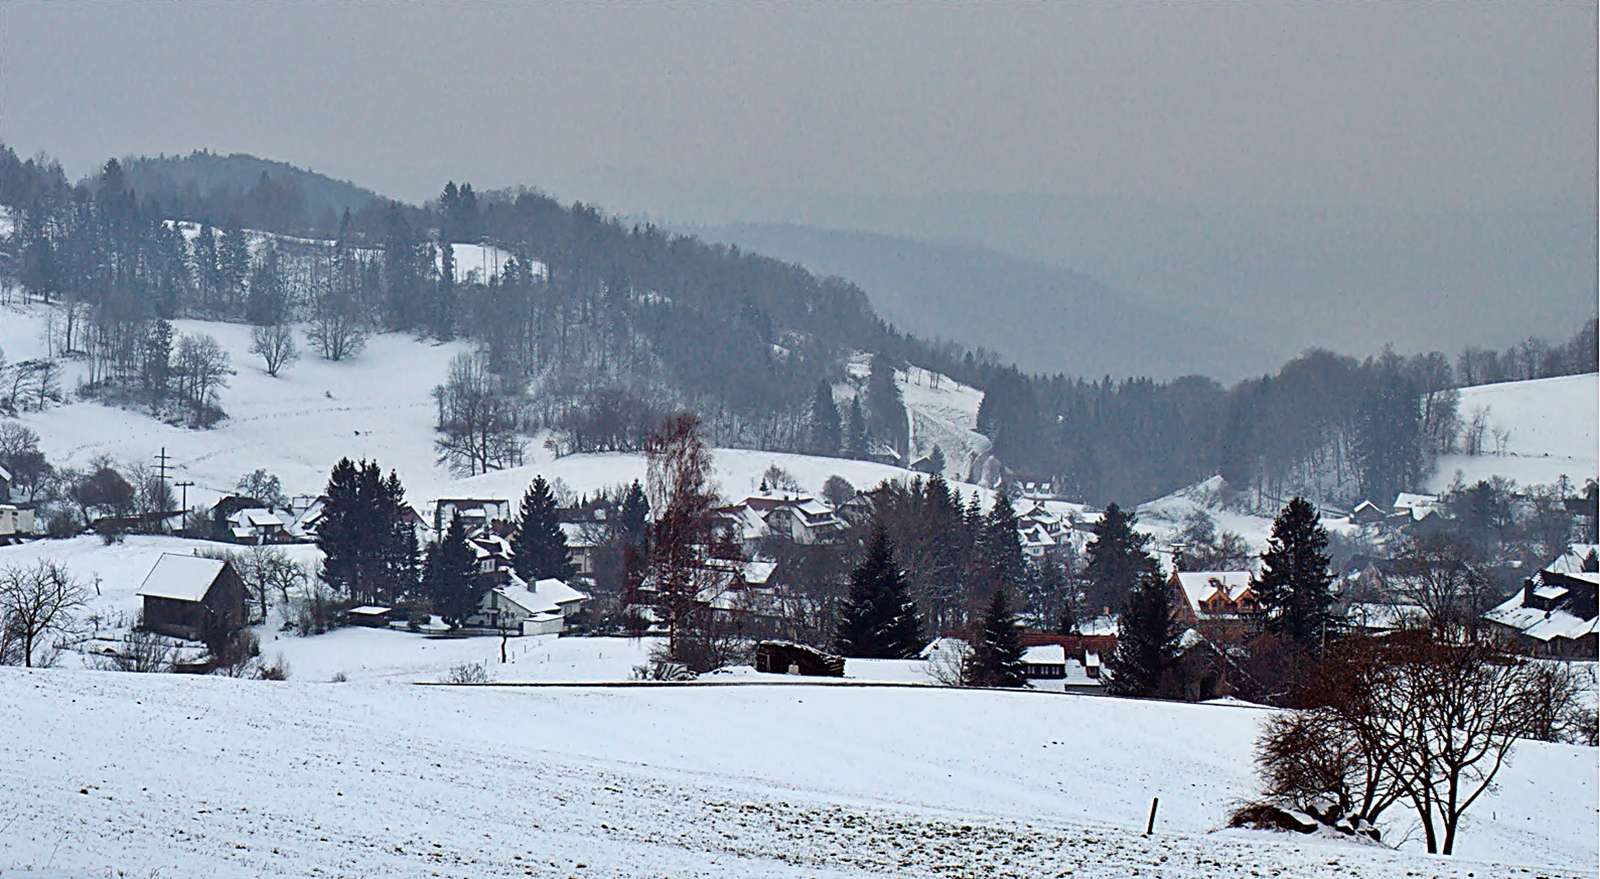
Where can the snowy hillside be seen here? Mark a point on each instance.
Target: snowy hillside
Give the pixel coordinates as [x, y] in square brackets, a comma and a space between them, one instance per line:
[180, 776]
[1551, 426]
[377, 404]
[944, 413]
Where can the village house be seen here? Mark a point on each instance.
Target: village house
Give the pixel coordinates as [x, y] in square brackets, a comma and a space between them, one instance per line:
[192, 598]
[516, 607]
[477, 514]
[1554, 614]
[1214, 600]
[257, 525]
[1065, 663]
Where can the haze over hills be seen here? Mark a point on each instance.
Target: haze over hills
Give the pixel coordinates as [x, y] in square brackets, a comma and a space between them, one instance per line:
[1286, 276]
[1045, 318]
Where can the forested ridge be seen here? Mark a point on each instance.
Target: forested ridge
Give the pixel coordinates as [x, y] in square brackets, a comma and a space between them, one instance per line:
[596, 328]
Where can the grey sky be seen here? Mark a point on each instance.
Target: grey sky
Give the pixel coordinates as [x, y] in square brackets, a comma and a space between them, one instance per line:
[1374, 103]
[1335, 174]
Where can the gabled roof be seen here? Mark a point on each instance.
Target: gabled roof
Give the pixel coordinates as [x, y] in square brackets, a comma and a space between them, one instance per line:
[547, 596]
[181, 577]
[1201, 586]
[5, 474]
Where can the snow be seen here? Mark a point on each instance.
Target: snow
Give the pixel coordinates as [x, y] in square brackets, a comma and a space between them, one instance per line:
[1554, 426]
[376, 405]
[181, 776]
[181, 577]
[477, 263]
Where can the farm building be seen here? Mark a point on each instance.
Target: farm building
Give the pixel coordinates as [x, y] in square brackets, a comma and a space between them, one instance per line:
[192, 598]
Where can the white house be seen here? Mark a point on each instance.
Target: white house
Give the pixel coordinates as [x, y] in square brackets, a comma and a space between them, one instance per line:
[540, 609]
[14, 521]
[257, 525]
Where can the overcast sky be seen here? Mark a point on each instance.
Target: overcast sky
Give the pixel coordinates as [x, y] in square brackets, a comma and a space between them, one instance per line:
[1371, 103]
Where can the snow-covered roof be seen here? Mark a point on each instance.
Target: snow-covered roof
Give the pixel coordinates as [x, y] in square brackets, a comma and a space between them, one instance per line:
[1383, 617]
[1045, 654]
[181, 577]
[1539, 624]
[758, 573]
[547, 596]
[1406, 500]
[1199, 586]
[368, 610]
[5, 474]
[256, 517]
[1571, 562]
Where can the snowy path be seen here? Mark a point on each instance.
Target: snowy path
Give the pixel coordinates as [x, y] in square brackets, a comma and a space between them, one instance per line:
[174, 776]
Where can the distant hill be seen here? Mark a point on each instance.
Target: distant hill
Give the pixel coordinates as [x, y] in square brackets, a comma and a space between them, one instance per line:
[206, 180]
[1044, 318]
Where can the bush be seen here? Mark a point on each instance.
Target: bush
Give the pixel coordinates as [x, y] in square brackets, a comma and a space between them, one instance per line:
[277, 670]
[466, 673]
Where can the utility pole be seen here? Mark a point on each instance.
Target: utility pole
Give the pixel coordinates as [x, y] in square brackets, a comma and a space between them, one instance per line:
[184, 519]
[161, 474]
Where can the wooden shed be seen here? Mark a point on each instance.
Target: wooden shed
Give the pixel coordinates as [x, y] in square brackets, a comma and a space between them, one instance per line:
[193, 598]
[783, 657]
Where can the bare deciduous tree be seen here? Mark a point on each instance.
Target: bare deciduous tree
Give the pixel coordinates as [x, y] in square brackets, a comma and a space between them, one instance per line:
[337, 332]
[1413, 718]
[202, 369]
[274, 344]
[35, 600]
[478, 420]
[679, 484]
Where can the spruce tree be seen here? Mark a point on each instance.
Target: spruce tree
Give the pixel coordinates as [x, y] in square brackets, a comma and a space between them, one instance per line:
[879, 620]
[538, 545]
[856, 430]
[1002, 545]
[1117, 559]
[1147, 641]
[1293, 589]
[635, 511]
[825, 421]
[451, 581]
[996, 659]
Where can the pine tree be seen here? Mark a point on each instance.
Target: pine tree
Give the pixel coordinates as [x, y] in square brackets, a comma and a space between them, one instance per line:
[538, 545]
[1147, 641]
[996, 659]
[825, 426]
[1117, 559]
[452, 582]
[879, 620]
[1293, 589]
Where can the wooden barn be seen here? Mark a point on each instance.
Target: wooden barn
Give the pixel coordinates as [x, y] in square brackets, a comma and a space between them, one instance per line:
[193, 598]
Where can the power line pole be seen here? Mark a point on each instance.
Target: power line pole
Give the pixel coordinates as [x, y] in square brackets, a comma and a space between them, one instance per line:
[184, 520]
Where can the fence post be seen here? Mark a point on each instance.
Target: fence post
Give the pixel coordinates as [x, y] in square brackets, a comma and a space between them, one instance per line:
[1150, 827]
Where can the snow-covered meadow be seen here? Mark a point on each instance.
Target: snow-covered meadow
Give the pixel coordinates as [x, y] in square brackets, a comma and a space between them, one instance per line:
[163, 775]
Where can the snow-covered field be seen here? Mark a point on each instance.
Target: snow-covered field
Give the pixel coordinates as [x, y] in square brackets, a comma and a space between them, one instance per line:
[171, 776]
[377, 404]
[1553, 430]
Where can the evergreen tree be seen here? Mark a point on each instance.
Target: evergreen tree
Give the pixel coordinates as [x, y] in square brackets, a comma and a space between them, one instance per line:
[452, 581]
[368, 543]
[1117, 559]
[856, 430]
[879, 620]
[538, 545]
[1147, 641]
[635, 512]
[936, 460]
[1002, 546]
[825, 421]
[1293, 589]
[996, 659]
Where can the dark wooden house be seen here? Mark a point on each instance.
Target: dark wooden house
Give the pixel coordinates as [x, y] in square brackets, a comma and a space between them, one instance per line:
[193, 598]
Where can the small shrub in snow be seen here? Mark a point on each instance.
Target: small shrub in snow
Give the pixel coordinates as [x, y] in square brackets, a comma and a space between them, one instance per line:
[338, 678]
[277, 670]
[467, 673]
[659, 669]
